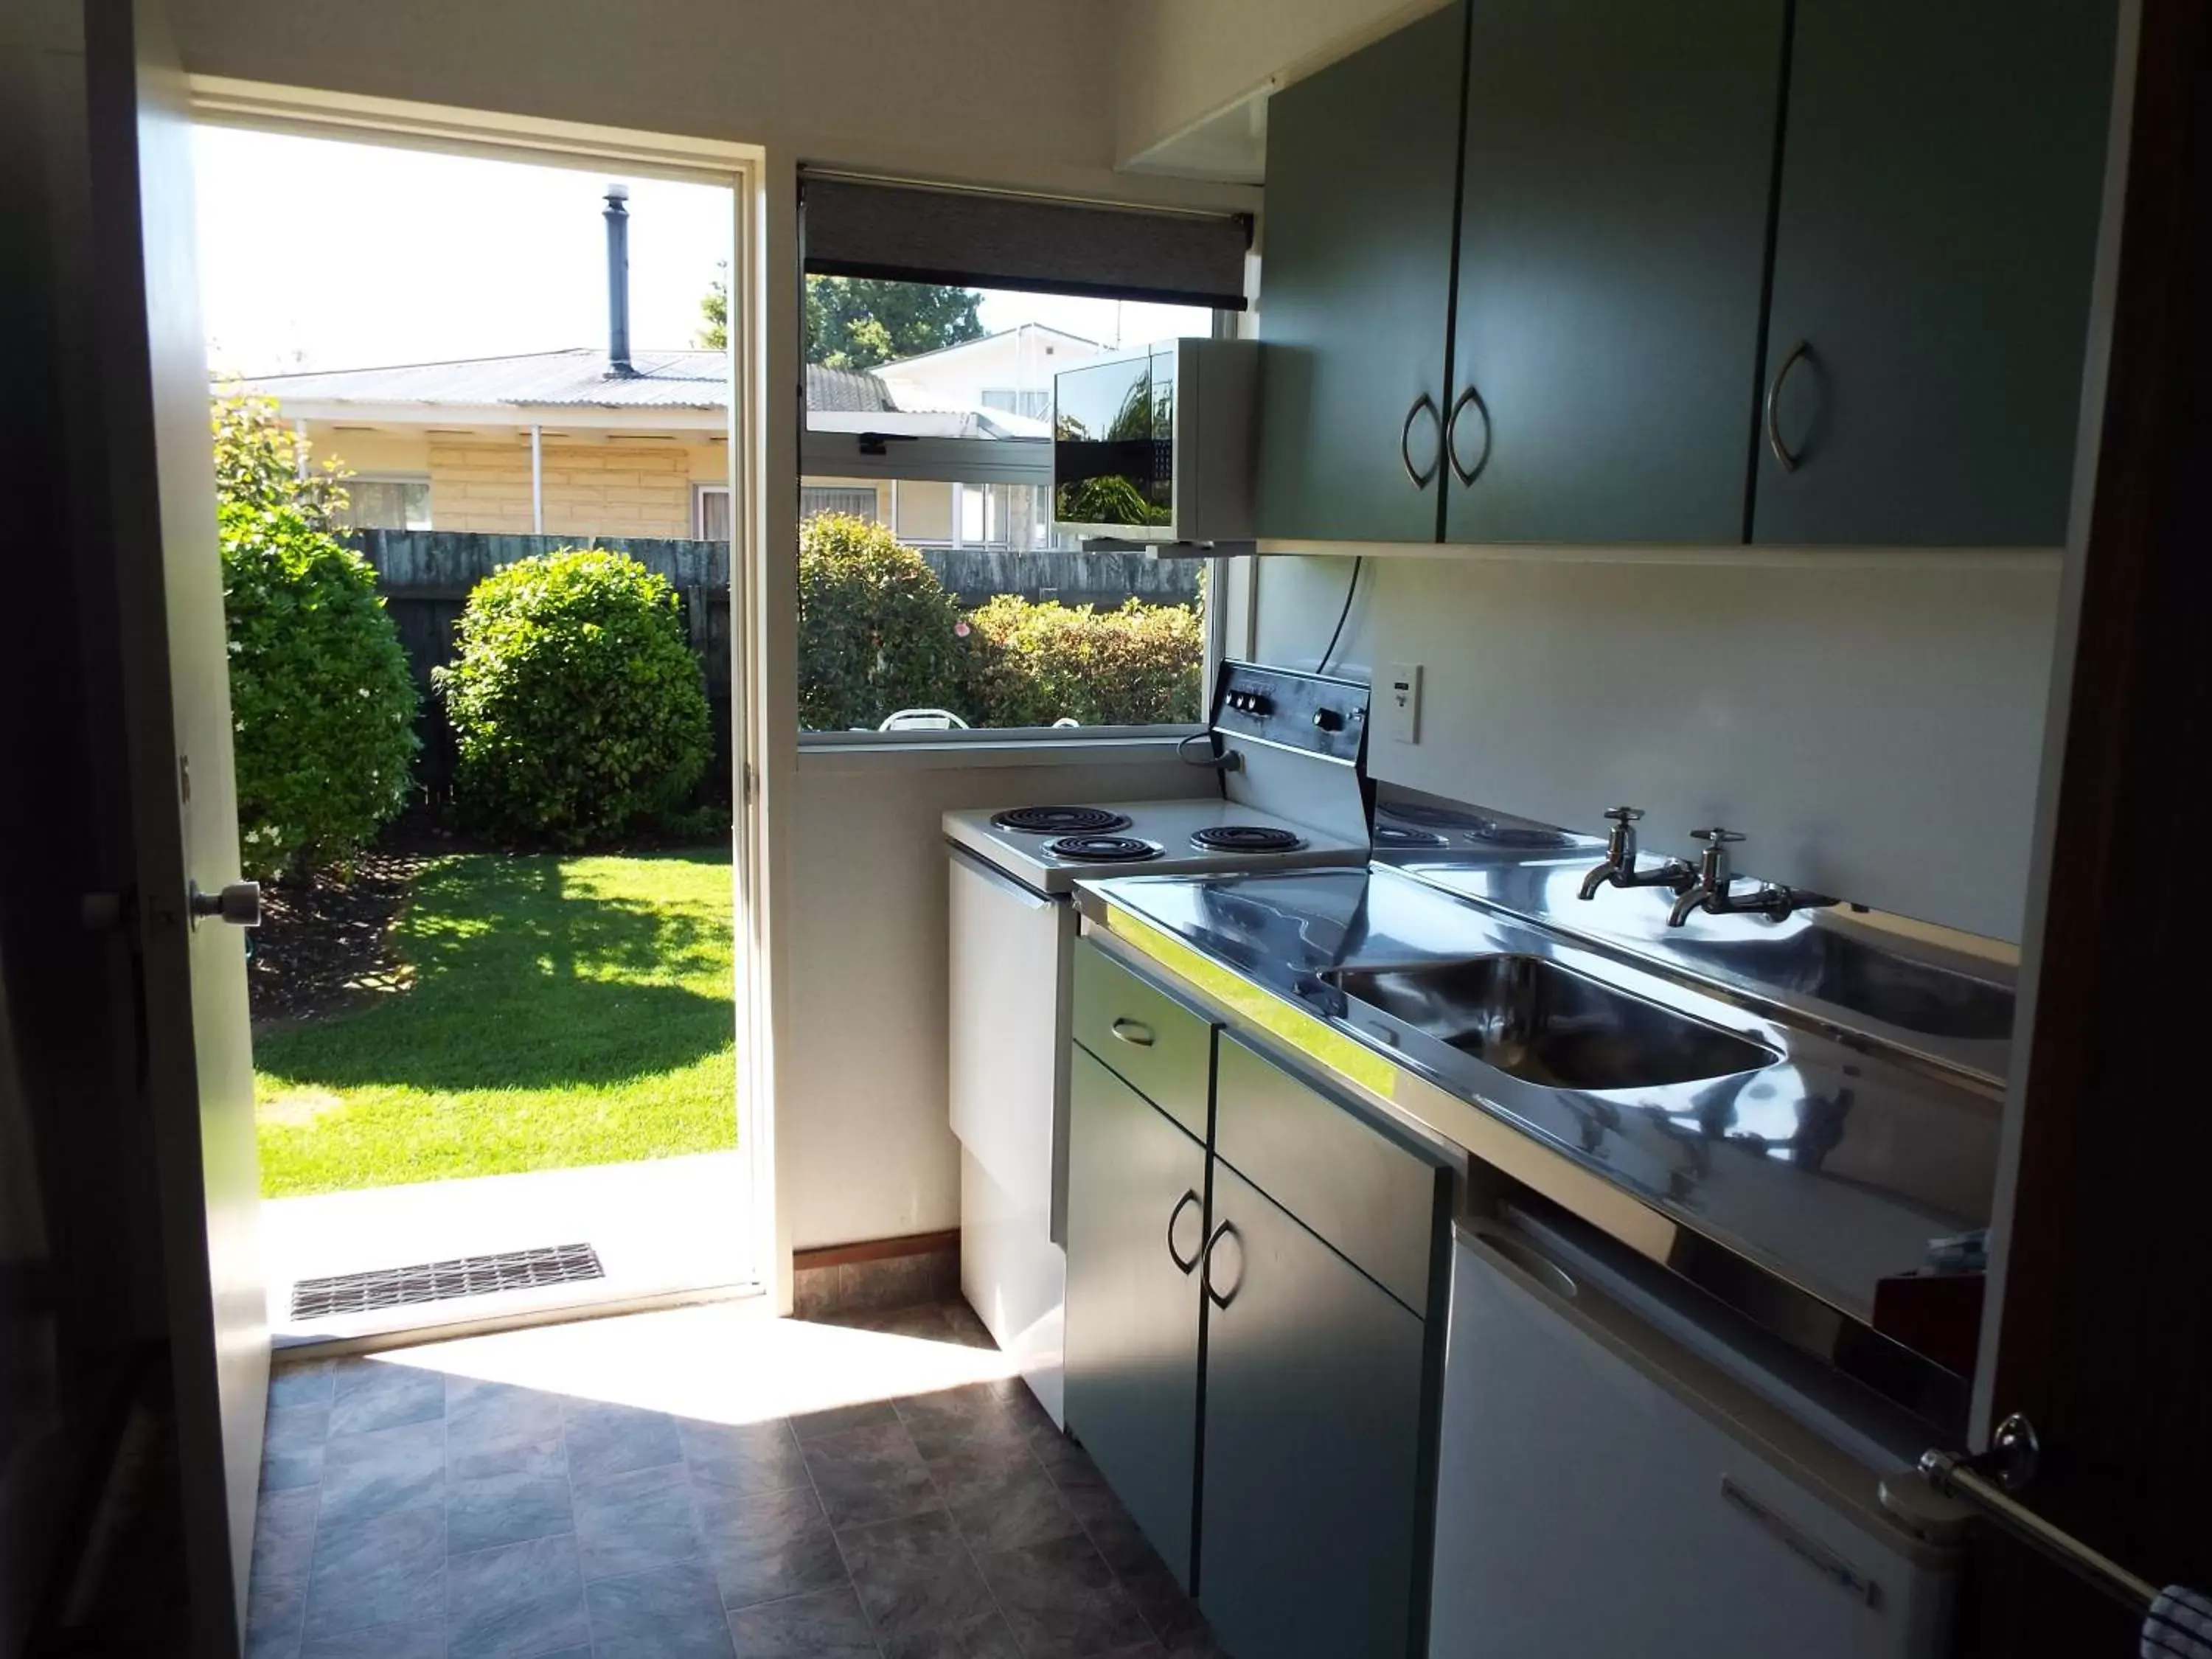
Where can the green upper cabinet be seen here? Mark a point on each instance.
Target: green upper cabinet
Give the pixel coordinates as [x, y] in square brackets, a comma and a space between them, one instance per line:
[1356, 275]
[1936, 228]
[1618, 164]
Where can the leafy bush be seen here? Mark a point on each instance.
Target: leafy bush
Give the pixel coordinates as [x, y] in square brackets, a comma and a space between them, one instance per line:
[1030, 665]
[576, 701]
[877, 630]
[322, 707]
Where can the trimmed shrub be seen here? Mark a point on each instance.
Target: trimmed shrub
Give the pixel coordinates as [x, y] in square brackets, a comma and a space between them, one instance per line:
[876, 631]
[322, 707]
[1030, 665]
[575, 701]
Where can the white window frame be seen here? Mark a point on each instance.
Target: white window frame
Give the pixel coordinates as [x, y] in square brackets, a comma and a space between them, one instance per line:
[699, 494]
[957, 461]
[389, 476]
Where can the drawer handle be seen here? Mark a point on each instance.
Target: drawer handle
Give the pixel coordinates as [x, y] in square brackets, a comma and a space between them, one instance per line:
[1783, 456]
[1174, 1216]
[1135, 1033]
[1830, 1565]
[1206, 1256]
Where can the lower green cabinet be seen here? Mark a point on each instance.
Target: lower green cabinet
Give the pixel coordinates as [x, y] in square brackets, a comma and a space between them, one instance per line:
[1257, 1383]
[1136, 1226]
[1314, 1401]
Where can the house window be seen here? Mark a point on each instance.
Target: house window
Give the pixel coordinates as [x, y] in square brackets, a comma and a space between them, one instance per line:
[853, 501]
[710, 516]
[387, 503]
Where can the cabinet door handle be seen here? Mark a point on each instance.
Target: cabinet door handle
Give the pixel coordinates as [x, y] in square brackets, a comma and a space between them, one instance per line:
[1135, 1033]
[1205, 1257]
[1782, 454]
[1420, 480]
[1174, 1215]
[1467, 474]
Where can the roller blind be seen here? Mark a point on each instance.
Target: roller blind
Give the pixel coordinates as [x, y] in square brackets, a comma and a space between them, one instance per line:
[916, 234]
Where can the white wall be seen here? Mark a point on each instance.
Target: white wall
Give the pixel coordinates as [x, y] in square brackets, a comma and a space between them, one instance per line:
[1874, 728]
[867, 1153]
[991, 90]
[1180, 62]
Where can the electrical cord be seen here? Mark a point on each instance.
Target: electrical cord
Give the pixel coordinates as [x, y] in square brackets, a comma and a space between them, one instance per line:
[1337, 633]
[1212, 762]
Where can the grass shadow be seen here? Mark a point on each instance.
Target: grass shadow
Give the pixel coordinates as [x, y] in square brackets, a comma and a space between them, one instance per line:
[535, 973]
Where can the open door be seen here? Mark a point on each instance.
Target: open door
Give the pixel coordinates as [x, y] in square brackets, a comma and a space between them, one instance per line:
[2102, 1323]
[155, 501]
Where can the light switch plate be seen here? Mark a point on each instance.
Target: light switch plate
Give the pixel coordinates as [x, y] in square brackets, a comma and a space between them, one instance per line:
[1402, 702]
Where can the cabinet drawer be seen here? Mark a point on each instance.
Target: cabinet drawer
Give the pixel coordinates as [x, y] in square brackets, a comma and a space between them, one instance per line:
[1158, 1046]
[1374, 1201]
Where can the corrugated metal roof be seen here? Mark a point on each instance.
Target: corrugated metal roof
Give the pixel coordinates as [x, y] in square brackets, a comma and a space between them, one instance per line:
[574, 379]
[847, 390]
[577, 377]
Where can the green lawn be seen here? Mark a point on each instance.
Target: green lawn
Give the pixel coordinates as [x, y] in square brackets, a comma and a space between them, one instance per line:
[562, 1011]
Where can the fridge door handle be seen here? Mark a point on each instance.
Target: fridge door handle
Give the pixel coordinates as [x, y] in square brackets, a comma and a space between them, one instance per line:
[1831, 1565]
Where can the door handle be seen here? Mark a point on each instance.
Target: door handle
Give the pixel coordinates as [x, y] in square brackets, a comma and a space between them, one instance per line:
[1134, 1032]
[1784, 455]
[238, 903]
[1467, 474]
[1174, 1216]
[1420, 480]
[1206, 1260]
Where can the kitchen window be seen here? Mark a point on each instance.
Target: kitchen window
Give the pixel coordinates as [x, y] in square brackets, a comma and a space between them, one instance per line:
[386, 502]
[936, 600]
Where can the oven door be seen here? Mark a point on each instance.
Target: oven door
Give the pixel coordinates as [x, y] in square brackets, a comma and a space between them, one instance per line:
[1010, 962]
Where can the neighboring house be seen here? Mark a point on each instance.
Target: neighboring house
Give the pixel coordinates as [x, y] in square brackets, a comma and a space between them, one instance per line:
[557, 443]
[1009, 373]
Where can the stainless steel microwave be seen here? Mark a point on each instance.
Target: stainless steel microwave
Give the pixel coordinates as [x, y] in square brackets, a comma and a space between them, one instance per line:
[1157, 446]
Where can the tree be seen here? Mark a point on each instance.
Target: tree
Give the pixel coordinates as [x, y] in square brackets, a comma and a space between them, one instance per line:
[322, 704]
[858, 322]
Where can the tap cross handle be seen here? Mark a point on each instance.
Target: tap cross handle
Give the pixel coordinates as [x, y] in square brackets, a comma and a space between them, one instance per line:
[1623, 814]
[1713, 872]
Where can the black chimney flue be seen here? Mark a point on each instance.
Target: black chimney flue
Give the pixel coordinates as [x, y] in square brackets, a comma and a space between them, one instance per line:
[618, 361]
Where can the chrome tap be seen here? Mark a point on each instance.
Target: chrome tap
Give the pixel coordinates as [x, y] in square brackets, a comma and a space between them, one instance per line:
[1711, 893]
[1619, 869]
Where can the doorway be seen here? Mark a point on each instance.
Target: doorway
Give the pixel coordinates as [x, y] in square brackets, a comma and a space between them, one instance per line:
[475, 454]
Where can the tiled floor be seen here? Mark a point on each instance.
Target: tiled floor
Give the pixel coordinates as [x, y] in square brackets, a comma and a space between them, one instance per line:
[703, 1482]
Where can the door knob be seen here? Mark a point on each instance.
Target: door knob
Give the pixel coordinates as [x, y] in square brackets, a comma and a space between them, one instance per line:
[238, 903]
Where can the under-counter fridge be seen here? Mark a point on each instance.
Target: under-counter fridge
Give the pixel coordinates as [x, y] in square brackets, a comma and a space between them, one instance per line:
[1604, 1490]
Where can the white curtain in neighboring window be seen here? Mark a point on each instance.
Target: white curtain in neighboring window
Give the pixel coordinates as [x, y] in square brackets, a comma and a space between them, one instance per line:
[714, 515]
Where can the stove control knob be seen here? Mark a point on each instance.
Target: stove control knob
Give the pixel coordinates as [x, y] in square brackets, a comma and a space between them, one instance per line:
[1257, 705]
[1328, 720]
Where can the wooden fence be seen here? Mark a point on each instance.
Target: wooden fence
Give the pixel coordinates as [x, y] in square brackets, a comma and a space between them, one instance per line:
[426, 575]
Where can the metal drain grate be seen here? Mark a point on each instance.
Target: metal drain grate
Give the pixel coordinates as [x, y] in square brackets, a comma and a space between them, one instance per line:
[441, 1281]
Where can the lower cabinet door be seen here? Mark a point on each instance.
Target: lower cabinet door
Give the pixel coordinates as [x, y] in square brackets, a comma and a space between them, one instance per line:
[1313, 1420]
[1136, 1216]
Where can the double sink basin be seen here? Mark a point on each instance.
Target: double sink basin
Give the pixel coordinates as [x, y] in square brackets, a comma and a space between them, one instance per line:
[1534, 1019]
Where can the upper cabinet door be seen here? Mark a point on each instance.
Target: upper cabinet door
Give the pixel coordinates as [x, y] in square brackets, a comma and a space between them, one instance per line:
[1356, 290]
[1612, 240]
[1938, 216]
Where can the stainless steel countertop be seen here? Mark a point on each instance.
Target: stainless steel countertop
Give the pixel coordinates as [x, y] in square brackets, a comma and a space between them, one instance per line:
[1830, 1167]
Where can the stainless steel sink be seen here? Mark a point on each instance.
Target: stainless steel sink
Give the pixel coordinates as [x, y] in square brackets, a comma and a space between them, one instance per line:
[1532, 1019]
[1851, 973]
